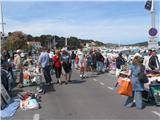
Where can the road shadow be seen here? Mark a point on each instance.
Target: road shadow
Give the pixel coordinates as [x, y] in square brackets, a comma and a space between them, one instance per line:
[150, 102]
[48, 88]
[149, 99]
[91, 76]
[77, 81]
[14, 92]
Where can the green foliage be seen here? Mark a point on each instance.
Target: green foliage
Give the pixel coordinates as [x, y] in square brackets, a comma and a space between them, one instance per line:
[73, 42]
[18, 40]
[29, 47]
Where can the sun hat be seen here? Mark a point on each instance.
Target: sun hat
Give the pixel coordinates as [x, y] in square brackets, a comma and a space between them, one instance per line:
[137, 54]
[18, 51]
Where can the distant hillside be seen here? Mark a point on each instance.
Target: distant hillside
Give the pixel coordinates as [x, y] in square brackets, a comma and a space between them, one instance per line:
[84, 41]
[111, 45]
[142, 44]
[136, 44]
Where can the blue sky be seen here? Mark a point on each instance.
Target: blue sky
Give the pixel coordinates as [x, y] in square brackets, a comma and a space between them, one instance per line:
[110, 22]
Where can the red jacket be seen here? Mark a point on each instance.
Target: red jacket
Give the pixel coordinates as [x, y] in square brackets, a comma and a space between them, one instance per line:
[57, 62]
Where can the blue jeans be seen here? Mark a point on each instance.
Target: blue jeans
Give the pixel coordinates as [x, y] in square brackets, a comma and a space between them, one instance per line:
[47, 75]
[137, 95]
[73, 64]
[99, 66]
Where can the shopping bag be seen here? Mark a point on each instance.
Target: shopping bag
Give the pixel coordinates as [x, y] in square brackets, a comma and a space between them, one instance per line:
[125, 87]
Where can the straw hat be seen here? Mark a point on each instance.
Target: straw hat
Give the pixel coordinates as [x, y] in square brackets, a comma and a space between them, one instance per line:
[137, 54]
[18, 51]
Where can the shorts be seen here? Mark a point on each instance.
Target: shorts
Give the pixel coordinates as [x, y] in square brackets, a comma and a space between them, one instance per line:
[81, 64]
[66, 68]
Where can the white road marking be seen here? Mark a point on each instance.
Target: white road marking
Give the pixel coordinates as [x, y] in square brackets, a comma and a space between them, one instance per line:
[102, 83]
[111, 88]
[36, 117]
[156, 113]
[95, 79]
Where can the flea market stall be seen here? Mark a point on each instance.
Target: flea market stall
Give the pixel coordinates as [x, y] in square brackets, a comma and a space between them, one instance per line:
[152, 87]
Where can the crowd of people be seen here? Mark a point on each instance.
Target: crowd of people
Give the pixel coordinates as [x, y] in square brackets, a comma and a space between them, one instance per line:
[138, 66]
[63, 62]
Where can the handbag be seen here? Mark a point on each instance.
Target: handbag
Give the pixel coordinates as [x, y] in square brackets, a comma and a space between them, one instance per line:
[142, 77]
[125, 86]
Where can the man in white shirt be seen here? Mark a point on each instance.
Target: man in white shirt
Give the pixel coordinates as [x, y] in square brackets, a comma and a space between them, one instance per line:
[81, 62]
[154, 63]
[44, 63]
[146, 60]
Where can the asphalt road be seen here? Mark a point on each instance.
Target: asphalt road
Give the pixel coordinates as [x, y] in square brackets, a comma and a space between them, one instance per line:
[93, 98]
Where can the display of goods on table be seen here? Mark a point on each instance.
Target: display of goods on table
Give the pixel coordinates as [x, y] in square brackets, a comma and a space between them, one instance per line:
[124, 67]
[124, 71]
[123, 74]
[155, 90]
[29, 101]
[112, 72]
[153, 73]
[31, 75]
[26, 78]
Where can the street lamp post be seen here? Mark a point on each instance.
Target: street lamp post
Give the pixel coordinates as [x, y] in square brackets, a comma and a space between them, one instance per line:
[66, 42]
[153, 39]
[53, 42]
[153, 14]
[2, 22]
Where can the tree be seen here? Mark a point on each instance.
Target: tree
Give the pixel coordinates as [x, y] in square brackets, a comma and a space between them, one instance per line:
[30, 38]
[60, 42]
[45, 40]
[73, 42]
[16, 40]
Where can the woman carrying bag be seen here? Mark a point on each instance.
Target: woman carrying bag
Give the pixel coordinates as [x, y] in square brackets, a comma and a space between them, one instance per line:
[137, 86]
[66, 66]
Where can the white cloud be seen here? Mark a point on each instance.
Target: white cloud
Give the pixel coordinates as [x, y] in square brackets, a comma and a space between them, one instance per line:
[106, 31]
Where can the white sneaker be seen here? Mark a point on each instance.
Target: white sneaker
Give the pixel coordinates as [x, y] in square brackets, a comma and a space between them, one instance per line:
[40, 90]
[81, 76]
[59, 81]
[51, 82]
[85, 75]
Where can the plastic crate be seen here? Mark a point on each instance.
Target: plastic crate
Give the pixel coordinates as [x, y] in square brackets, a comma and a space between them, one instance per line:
[155, 90]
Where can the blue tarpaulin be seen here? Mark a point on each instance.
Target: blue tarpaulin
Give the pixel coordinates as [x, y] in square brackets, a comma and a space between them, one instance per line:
[11, 109]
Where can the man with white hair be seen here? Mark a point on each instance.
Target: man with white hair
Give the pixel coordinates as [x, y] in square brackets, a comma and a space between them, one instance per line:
[154, 63]
[146, 60]
[44, 62]
[19, 68]
[81, 62]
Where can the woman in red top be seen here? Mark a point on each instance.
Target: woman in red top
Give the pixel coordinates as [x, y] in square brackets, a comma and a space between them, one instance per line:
[57, 66]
